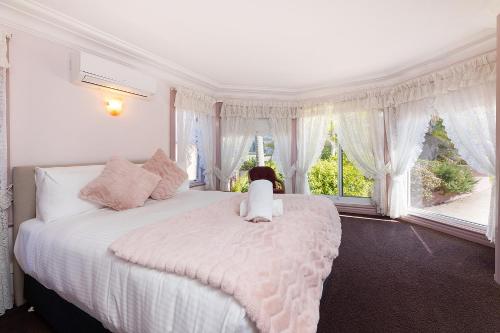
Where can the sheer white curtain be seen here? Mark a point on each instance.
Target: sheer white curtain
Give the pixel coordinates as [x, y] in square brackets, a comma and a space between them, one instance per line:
[194, 115]
[360, 133]
[312, 132]
[5, 193]
[237, 135]
[406, 126]
[281, 129]
[207, 148]
[469, 116]
[185, 124]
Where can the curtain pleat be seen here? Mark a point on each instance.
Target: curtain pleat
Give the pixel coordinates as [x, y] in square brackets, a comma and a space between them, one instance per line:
[237, 135]
[469, 117]
[360, 133]
[312, 132]
[5, 201]
[406, 126]
[281, 129]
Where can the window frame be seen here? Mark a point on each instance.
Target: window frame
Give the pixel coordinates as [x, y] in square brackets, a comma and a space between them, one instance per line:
[339, 197]
[438, 218]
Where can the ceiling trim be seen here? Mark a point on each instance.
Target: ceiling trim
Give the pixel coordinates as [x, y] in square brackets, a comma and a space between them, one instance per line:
[34, 18]
[31, 17]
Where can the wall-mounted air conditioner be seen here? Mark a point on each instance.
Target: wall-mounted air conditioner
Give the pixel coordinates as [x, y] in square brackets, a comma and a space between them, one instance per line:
[93, 70]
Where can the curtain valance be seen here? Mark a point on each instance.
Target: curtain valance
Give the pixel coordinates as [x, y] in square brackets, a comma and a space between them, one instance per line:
[187, 100]
[4, 60]
[259, 109]
[272, 109]
[470, 73]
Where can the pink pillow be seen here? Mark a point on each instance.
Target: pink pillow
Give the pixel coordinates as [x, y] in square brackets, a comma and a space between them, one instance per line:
[121, 185]
[171, 175]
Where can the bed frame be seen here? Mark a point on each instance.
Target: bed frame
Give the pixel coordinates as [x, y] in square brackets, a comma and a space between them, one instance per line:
[62, 315]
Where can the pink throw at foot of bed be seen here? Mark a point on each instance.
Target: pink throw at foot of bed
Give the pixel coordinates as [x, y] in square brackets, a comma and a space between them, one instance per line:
[274, 270]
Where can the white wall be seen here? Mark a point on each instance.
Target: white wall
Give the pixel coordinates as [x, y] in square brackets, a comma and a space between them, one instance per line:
[53, 121]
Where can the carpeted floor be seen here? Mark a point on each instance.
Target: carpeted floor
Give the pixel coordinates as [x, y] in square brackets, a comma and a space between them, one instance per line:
[398, 277]
[389, 277]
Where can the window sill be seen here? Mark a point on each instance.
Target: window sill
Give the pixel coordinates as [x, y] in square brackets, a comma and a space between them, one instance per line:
[195, 183]
[354, 205]
[459, 228]
[447, 220]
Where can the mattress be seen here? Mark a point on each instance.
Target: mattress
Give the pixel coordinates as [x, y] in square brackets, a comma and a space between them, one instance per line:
[71, 257]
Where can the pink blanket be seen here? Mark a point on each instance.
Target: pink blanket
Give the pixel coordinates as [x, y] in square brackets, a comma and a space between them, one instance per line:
[274, 270]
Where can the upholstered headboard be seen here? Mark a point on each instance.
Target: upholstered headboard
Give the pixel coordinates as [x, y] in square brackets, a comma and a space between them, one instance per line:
[23, 208]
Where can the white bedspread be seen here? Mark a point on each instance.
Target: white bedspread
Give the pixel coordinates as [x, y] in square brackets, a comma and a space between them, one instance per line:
[71, 257]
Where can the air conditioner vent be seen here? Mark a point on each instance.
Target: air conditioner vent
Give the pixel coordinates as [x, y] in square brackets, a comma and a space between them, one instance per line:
[96, 71]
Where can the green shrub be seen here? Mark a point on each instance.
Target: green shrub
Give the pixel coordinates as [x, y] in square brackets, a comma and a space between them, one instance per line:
[248, 164]
[327, 151]
[241, 184]
[455, 178]
[423, 182]
[355, 184]
[323, 179]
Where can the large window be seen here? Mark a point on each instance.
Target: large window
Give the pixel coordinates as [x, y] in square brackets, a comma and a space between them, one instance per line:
[330, 177]
[260, 153]
[326, 177]
[443, 184]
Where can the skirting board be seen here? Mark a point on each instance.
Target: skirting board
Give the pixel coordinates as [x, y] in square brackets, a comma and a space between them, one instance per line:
[357, 209]
[449, 229]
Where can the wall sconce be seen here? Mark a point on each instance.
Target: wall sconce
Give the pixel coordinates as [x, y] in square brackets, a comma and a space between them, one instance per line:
[114, 107]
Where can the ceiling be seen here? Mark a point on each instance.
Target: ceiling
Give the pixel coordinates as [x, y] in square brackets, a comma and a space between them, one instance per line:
[289, 44]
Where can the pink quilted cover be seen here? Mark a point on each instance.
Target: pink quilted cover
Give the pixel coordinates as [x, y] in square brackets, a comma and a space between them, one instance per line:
[274, 270]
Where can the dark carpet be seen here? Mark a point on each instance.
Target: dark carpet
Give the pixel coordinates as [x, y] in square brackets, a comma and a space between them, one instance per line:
[389, 277]
[398, 277]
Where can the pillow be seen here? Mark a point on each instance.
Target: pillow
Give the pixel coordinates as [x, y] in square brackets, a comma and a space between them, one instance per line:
[57, 191]
[171, 175]
[121, 185]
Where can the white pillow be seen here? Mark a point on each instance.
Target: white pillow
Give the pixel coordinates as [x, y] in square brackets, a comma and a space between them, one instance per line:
[57, 191]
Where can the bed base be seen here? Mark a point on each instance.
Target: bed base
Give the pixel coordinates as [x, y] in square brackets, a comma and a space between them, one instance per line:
[61, 315]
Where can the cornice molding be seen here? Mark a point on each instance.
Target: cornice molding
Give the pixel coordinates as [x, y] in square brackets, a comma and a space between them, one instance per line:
[31, 17]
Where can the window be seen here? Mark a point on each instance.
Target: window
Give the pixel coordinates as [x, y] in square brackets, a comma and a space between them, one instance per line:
[330, 177]
[444, 185]
[260, 153]
[195, 169]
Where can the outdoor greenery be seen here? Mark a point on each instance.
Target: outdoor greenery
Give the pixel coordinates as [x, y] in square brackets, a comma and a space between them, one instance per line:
[241, 183]
[323, 176]
[423, 182]
[440, 171]
[454, 178]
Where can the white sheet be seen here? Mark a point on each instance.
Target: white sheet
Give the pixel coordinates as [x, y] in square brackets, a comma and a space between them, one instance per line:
[71, 256]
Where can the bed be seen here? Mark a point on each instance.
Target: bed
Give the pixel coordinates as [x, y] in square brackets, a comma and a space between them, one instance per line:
[70, 257]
